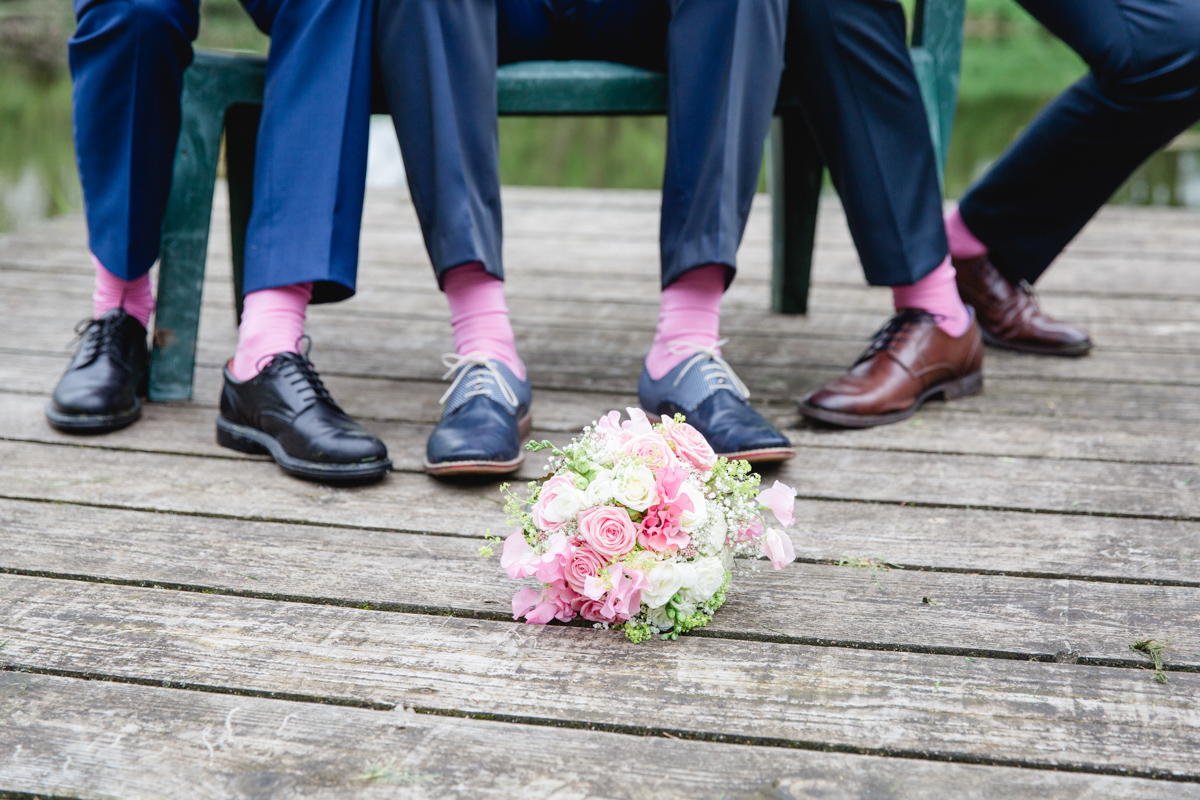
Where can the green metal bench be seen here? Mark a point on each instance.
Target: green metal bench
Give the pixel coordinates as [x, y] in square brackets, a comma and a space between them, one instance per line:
[223, 93]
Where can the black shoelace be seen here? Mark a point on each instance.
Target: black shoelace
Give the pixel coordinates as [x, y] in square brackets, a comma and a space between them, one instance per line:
[895, 332]
[96, 336]
[302, 374]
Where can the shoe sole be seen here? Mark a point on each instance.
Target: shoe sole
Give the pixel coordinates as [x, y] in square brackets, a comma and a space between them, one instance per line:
[245, 439]
[950, 390]
[1063, 351]
[93, 423]
[765, 455]
[451, 468]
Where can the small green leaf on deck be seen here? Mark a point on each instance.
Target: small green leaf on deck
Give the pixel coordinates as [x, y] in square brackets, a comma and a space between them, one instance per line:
[1008, 459]
[246, 575]
[1154, 650]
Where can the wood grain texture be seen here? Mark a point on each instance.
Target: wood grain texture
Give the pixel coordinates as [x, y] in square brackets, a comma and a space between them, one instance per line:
[92, 739]
[928, 706]
[812, 603]
[403, 414]
[1120, 548]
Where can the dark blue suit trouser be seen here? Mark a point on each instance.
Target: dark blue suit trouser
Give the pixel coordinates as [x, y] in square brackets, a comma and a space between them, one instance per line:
[1143, 89]
[848, 64]
[723, 59]
[127, 61]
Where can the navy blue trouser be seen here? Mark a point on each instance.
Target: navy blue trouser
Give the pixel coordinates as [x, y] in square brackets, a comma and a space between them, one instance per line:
[1143, 89]
[848, 64]
[127, 61]
[723, 59]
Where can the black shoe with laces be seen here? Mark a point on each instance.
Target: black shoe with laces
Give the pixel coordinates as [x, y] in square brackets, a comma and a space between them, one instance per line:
[99, 391]
[287, 412]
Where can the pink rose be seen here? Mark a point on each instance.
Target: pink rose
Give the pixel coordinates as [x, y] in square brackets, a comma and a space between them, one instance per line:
[608, 530]
[781, 499]
[777, 546]
[557, 503]
[689, 443]
[585, 563]
[652, 449]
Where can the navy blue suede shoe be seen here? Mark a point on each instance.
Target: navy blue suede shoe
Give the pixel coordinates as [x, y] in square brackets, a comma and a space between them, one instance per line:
[486, 416]
[705, 390]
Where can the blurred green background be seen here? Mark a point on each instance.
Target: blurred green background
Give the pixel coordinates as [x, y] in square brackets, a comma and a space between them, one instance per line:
[1011, 67]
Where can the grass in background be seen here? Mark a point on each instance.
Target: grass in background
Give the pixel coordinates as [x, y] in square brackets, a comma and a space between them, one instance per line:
[1011, 68]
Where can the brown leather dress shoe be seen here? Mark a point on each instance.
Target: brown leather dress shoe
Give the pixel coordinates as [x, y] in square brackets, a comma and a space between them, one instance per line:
[909, 361]
[1009, 314]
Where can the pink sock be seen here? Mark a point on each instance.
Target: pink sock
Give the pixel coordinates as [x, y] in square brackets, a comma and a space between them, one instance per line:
[479, 316]
[690, 313]
[963, 243]
[272, 322]
[938, 294]
[136, 296]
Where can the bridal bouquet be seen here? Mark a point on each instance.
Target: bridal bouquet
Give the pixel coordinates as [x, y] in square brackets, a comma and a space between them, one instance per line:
[637, 527]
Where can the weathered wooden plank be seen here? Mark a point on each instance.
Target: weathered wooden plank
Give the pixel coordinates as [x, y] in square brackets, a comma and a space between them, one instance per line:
[403, 413]
[1032, 484]
[1048, 544]
[46, 310]
[812, 603]
[940, 707]
[101, 739]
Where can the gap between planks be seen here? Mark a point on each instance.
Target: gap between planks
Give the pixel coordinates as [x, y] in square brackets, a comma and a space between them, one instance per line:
[1051, 716]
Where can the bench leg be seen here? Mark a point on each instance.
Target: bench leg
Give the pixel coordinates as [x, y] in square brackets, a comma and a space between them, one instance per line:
[937, 55]
[794, 173]
[241, 140]
[184, 250]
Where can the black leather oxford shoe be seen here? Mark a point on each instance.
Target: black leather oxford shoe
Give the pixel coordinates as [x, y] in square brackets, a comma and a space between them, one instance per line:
[99, 391]
[287, 412]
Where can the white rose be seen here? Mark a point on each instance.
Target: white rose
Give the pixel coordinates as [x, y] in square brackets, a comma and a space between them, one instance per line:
[600, 491]
[690, 520]
[666, 579]
[685, 609]
[659, 619]
[633, 487]
[710, 574]
[565, 506]
[726, 556]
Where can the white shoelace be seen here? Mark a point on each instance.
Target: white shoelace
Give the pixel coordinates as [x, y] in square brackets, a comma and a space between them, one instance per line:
[718, 370]
[463, 365]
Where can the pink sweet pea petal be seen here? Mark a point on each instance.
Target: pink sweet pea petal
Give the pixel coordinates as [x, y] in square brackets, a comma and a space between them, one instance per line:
[610, 424]
[541, 614]
[548, 567]
[638, 423]
[593, 589]
[524, 600]
[777, 546]
[781, 499]
[518, 557]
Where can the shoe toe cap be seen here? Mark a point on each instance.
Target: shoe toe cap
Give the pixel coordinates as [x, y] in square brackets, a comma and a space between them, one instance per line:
[480, 430]
[733, 426]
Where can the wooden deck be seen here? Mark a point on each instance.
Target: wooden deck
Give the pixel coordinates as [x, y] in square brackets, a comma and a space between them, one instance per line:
[178, 620]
